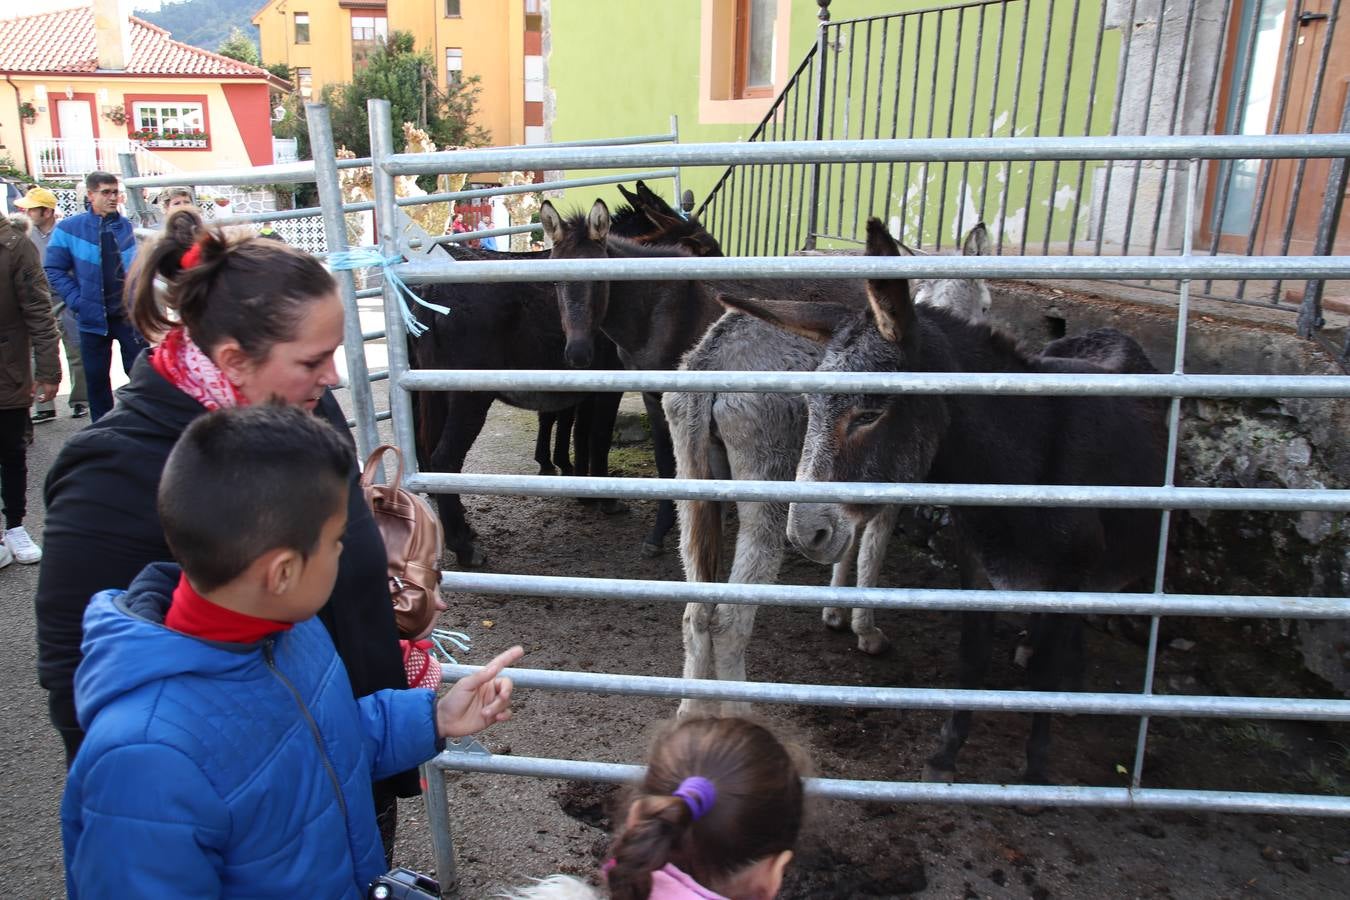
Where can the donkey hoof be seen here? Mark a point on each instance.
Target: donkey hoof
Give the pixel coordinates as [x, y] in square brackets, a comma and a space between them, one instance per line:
[547, 469]
[933, 775]
[834, 619]
[613, 507]
[1022, 655]
[652, 550]
[874, 643]
[471, 558]
[692, 709]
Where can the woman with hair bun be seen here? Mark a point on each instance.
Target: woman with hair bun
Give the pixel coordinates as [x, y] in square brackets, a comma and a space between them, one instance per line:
[241, 321]
[715, 818]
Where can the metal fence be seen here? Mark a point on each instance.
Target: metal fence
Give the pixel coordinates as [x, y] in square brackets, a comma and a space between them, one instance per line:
[1012, 68]
[1186, 267]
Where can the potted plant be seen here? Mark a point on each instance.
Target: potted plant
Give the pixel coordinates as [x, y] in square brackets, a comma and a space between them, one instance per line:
[28, 112]
[115, 114]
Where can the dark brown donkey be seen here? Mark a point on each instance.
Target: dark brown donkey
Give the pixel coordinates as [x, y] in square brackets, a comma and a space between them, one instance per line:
[981, 439]
[516, 326]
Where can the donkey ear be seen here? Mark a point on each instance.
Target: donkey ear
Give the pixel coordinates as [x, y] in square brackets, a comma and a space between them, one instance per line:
[889, 297]
[632, 199]
[977, 241]
[552, 222]
[811, 319]
[597, 222]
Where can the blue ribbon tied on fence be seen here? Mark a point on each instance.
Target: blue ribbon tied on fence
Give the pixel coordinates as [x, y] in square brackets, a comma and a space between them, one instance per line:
[369, 258]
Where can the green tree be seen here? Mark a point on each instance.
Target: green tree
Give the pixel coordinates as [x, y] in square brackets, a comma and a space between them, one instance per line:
[241, 47]
[396, 72]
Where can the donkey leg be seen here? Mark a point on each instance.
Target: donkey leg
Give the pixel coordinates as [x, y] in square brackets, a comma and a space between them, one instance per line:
[1057, 653]
[543, 436]
[841, 574]
[696, 628]
[598, 438]
[562, 440]
[759, 555]
[663, 447]
[977, 644]
[466, 413]
[871, 555]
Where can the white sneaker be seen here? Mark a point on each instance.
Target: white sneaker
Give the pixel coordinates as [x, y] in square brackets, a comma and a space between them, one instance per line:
[6, 556]
[21, 545]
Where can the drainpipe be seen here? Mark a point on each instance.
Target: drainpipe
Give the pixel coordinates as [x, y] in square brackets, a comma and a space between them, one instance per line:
[23, 137]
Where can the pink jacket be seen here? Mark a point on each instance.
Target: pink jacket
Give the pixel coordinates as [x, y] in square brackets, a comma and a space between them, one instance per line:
[669, 883]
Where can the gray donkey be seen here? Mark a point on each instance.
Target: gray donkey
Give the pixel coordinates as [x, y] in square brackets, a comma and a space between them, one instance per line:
[759, 437]
[1067, 440]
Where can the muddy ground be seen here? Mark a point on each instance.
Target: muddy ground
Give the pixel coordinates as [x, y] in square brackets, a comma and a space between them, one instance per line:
[508, 829]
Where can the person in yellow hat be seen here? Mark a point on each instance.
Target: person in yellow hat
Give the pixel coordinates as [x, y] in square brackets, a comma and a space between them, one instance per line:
[40, 205]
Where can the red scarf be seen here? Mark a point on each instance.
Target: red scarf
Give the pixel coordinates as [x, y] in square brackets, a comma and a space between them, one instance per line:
[184, 365]
[192, 614]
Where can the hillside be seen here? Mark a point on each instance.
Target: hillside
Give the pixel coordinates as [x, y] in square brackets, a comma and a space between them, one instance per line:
[205, 23]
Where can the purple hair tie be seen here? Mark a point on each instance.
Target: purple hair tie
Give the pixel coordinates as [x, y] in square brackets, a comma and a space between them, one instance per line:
[699, 794]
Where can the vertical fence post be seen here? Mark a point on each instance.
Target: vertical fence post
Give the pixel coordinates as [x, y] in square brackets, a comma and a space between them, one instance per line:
[817, 122]
[1310, 312]
[134, 198]
[335, 235]
[675, 139]
[395, 333]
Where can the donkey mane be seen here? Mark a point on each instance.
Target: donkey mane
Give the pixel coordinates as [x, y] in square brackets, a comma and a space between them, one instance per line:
[577, 231]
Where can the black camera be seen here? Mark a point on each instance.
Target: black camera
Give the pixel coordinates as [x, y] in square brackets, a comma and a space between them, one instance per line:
[404, 883]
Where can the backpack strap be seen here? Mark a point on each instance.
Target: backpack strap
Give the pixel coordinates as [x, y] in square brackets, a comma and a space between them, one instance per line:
[373, 465]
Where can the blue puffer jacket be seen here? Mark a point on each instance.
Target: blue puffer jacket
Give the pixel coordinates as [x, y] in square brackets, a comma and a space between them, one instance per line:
[74, 264]
[226, 770]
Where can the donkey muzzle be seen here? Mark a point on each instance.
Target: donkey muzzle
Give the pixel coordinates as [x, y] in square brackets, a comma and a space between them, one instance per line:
[819, 532]
[579, 353]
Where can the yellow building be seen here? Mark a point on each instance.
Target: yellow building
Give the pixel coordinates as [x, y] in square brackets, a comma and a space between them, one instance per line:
[88, 83]
[324, 41]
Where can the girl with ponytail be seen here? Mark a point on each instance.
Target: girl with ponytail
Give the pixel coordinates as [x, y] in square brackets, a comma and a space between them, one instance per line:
[715, 818]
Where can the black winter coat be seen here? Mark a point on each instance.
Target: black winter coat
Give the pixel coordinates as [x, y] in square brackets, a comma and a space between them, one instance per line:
[102, 529]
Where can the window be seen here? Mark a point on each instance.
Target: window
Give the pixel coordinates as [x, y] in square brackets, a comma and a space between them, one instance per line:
[368, 32]
[452, 9]
[454, 65]
[304, 82]
[302, 28]
[169, 118]
[755, 21]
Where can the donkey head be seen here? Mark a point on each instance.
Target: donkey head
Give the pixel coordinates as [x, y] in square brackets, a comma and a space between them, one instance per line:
[857, 437]
[668, 226]
[582, 304]
[966, 297]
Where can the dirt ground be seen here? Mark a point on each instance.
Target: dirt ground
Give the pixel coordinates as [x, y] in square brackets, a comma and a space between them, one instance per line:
[509, 829]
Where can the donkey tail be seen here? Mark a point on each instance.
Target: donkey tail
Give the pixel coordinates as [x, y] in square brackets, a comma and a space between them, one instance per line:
[691, 422]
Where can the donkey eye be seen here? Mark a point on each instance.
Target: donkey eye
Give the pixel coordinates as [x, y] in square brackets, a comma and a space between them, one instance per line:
[864, 417]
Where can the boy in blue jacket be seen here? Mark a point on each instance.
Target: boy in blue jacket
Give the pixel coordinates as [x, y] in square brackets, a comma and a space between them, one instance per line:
[225, 755]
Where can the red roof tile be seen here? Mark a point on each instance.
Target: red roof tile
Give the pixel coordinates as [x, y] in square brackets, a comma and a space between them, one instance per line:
[63, 41]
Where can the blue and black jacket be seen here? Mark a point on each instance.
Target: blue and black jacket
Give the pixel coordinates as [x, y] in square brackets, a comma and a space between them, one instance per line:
[74, 265]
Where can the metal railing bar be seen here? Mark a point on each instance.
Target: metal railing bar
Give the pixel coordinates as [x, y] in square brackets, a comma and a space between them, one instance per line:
[778, 382]
[898, 599]
[951, 121]
[1147, 146]
[965, 191]
[919, 12]
[1293, 39]
[878, 493]
[932, 112]
[1087, 123]
[283, 173]
[1122, 77]
[281, 215]
[1178, 86]
[776, 267]
[880, 107]
[922, 792]
[1144, 126]
[605, 142]
[376, 334]
[949, 699]
[1063, 119]
[1243, 77]
[534, 188]
[1036, 122]
[462, 236]
[993, 100]
[913, 119]
[379, 417]
[1012, 126]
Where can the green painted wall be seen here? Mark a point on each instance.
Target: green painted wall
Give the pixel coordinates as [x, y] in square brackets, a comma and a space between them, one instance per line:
[1026, 67]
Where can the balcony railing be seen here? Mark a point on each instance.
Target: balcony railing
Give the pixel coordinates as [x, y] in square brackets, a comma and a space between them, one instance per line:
[76, 157]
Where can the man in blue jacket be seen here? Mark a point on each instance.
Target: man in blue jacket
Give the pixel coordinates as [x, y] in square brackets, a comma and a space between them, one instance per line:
[88, 257]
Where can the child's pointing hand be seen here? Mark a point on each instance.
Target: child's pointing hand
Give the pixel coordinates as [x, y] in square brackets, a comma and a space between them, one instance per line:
[478, 700]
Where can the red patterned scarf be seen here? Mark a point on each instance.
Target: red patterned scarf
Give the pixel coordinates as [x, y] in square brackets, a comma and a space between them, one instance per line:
[184, 365]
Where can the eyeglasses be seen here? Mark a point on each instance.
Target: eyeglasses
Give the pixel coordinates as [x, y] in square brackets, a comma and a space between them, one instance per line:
[112, 192]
